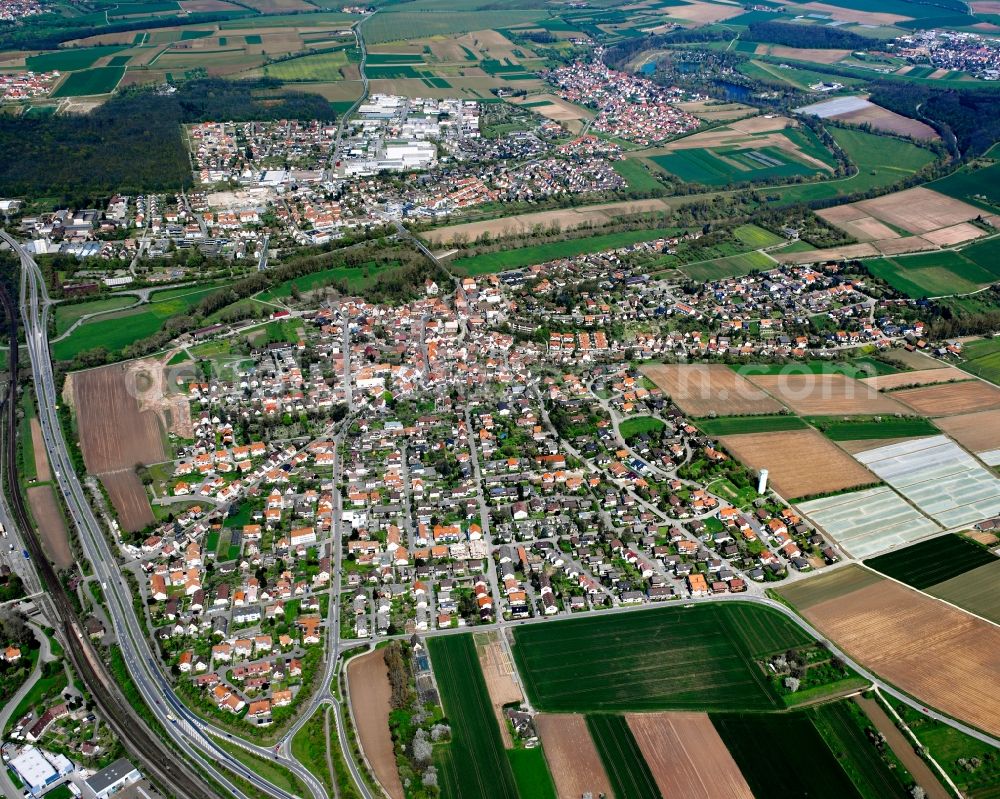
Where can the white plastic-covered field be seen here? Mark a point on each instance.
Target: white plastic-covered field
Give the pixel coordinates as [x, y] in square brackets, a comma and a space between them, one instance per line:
[867, 522]
[939, 477]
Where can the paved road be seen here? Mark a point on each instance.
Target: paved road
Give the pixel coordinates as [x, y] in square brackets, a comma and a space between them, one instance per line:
[44, 655]
[189, 733]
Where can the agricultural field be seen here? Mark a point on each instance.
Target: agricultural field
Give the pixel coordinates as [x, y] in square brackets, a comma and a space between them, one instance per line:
[939, 478]
[573, 759]
[402, 24]
[737, 425]
[540, 253]
[730, 266]
[859, 111]
[931, 562]
[839, 429]
[99, 80]
[935, 274]
[637, 175]
[920, 377]
[949, 399]
[318, 67]
[715, 389]
[474, 763]
[757, 237]
[982, 358]
[858, 368]
[531, 773]
[70, 60]
[368, 683]
[116, 434]
[977, 432]
[801, 463]
[66, 315]
[826, 394]
[977, 183]
[622, 758]
[700, 657]
[824, 778]
[910, 640]
[686, 756]
[354, 277]
[866, 522]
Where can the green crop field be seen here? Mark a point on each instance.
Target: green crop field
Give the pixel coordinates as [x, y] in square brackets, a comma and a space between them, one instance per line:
[981, 186]
[623, 761]
[842, 725]
[983, 359]
[318, 67]
[112, 333]
[639, 425]
[975, 591]
[540, 253]
[531, 773]
[931, 562]
[66, 315]
[391, 25]
[881, 161]
[757, 237]
[474, 763]
[392, 71]
[730, 266]
[70, 59]
[939, 273]
[634, 171]
[713, 167]
[384, 59]
[99, 80]
[837, 428]
[811, 770]
[734, 425]
[694, 658]
[354, 277]
[857, 368]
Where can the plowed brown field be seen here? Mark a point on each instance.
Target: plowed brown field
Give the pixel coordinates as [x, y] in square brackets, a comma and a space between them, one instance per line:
[924, 377]
[951, 398]
[572, 757]
[826, 395]
[801, 462]
[368, 683]
[974, 431]
[701, 390]
[942, 656]
[687, 757]
[115, 436]
[51, 525]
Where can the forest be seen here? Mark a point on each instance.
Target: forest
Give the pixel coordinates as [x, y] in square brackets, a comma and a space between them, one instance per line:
[133, 143]
[814, 36]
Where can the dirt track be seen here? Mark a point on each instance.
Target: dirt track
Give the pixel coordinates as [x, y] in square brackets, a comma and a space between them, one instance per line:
[498, 671]
[572, 757]
[687, 757]
[368, 683]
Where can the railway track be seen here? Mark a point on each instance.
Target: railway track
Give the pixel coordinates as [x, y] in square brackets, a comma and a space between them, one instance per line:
[156, 760]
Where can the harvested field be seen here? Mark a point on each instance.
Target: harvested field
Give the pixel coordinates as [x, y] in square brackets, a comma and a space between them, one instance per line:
[883, 119]
[826, 394]
[368, 683]
[834, 584]
[848, 251]
[952, 398]
[801, 462]
[903, 244]
[944, 657]
[817, 55]
[984, 537]
[714, 111]
[703, 13]
[923, 377]
[557, 108]
[567, 218]
[853, 15]
[51, 525]
[956, 234]
[977, 432]
[714, 389]
[573, 760]
[919, 210]
[115, 435]
[866, 228]
[42, 472]
[687, 757]
[501, 680]
[914, 359]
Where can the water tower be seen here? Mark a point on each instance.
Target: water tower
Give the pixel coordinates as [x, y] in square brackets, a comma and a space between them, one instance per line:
[762, 483]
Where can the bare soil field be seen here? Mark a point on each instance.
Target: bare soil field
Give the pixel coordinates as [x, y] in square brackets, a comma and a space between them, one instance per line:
[194, 6]
[42, 471]
[572, 757]
[915, 359]
[903, 749]
[558, 109]
[977, 432]
[501, 682]
[984, 537]
[832, 585]
[368, 684]
[923, 377]
[51, 525]
[985, 6]
[116, 434]
[567, 218]
[701, 390]
[703, 13]
[951, 399]
[955, 234]
[903, 244]
[919, 210]
[863, 445]
[867, 228]
[687, 757]
[943, 656]
[826, 395]
[891, 122]
[818, 56]
[492, 44]
[852, 15]
[801, 462]
[714, 111]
